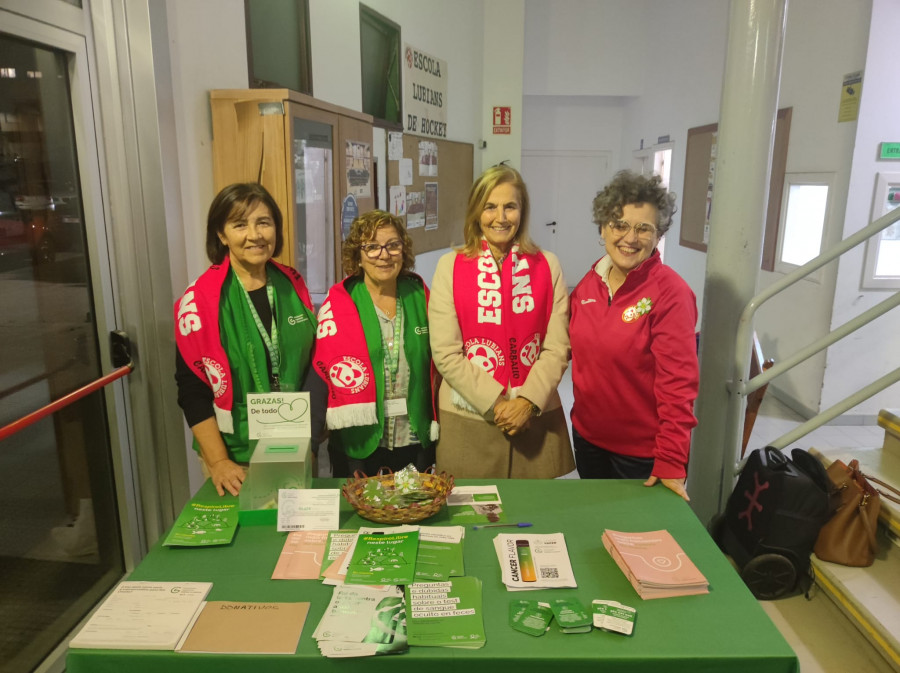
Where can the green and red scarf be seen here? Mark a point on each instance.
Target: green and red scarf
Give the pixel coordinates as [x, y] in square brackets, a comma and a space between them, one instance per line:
[350, 359]
[217, 336]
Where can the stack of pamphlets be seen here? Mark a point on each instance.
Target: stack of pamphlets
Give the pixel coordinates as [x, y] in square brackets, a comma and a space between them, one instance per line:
[383, 557]
[336, 546]
[143, 616]
[301, 557]
[201, 524]
[534, 561]
[362, 621]
[445, 614]
[440, 553]
[655, 564]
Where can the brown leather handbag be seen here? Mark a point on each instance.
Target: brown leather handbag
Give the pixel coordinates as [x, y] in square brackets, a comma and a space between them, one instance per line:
[849, 537]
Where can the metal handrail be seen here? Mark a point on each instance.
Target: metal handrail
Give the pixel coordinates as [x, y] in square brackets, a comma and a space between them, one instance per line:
[740, 386]
[64, 401]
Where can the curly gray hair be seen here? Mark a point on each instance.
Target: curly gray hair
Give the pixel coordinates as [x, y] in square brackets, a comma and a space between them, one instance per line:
[629, 188]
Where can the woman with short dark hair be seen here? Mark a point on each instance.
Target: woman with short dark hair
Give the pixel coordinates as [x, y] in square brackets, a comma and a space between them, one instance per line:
[246, 325]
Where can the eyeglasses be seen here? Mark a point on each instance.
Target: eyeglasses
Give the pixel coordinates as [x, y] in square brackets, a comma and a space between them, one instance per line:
[642, 229]
[373, 250]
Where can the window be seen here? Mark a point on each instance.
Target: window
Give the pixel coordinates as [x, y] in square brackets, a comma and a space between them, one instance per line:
[379, 40]
[804, 215]
[882, 269]
[278, 51]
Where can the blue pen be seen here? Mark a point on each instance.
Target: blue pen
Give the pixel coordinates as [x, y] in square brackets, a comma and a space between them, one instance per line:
[521, 524]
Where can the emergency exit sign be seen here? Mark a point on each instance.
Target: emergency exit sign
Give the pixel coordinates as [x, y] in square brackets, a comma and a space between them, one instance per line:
[890, 151]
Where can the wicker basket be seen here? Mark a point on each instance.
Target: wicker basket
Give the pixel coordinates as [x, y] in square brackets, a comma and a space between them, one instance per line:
[440, 484]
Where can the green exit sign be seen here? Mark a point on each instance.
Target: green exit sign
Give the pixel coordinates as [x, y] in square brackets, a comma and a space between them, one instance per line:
[890, 151]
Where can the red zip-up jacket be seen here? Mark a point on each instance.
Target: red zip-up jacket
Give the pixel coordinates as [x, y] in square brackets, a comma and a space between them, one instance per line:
[634, 365]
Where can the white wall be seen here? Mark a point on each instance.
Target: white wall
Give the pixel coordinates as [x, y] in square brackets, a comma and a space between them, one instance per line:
[872, 351]
[584, 48]
[504, 47]
[664, 76]
[685, 42]
[207, 49]
[823, 41]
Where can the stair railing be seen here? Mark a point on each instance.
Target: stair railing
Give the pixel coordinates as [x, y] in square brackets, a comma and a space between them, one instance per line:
[740, 386]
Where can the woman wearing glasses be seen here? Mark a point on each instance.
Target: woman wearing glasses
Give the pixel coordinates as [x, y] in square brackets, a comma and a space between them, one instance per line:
[372, 351]
[634, 357]
[498, 316]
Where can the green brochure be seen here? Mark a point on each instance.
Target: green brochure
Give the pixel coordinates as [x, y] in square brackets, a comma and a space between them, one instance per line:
[383, 558]
[202, 524]
[440, 554]
[445, 614]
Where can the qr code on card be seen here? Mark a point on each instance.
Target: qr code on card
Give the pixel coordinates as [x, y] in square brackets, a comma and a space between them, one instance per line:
[549, 573]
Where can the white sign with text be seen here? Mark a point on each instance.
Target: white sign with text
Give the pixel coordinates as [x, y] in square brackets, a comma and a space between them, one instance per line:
[278, 414]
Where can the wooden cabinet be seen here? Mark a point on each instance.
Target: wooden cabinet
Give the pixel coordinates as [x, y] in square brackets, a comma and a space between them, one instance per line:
[310, 155]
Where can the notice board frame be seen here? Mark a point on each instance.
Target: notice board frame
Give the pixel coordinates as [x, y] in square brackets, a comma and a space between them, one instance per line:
[454, 180]
[697, 189]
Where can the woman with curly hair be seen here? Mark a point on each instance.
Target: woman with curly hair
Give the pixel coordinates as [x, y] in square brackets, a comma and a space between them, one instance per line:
[634, 357]
[372, 351]
[498, 317]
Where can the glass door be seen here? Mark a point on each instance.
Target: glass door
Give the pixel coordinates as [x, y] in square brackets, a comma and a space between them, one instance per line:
[313, 202]
[60, 540]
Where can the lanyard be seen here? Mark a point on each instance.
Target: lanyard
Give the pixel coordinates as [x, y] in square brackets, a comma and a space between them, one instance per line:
[392, 354]
[271, 342]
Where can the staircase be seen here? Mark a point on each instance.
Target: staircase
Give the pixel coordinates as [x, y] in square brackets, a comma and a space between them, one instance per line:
[870, 597]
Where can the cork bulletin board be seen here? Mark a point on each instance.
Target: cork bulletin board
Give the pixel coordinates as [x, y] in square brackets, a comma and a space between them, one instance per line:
[447, 192]
[699, 172]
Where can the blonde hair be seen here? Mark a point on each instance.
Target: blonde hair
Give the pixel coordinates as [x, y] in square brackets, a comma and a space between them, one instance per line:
[478, 197]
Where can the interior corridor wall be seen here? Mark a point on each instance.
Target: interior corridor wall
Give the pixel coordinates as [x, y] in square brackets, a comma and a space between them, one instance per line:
[872, 351]
[684, 44]
[823, 42]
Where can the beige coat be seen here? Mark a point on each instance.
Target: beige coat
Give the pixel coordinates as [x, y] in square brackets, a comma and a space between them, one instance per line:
[471, 446]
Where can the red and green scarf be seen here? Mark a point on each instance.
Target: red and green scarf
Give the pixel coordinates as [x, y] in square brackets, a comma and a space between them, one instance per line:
[503, 313]
[218, 338]
[350, 359]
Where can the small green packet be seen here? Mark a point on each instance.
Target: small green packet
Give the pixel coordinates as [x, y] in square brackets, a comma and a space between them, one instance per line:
[614, 617]
[571, 615]
[530, 617]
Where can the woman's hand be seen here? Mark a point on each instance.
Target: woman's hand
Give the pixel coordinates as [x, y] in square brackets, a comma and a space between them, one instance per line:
[512, 416]
[228, 476]
[676, 485]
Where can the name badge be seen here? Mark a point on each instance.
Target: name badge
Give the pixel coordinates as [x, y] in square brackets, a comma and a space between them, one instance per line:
[395, 407]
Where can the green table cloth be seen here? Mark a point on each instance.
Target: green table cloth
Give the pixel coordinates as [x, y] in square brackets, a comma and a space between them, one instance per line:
[725, 630]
